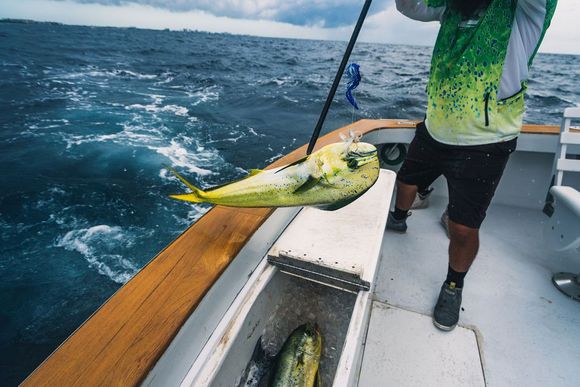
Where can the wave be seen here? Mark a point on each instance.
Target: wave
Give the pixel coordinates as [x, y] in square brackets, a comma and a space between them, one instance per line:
[152, 108]
[96, 72]
[182, 150]
[99, 246]
[544, 99]
[196, 212]
[207, 94]
[181, 156]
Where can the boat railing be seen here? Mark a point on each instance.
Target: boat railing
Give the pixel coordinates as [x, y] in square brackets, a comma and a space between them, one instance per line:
[122, 341]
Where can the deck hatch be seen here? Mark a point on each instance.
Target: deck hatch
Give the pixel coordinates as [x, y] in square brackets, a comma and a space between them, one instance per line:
[327, 275]
[339, 248]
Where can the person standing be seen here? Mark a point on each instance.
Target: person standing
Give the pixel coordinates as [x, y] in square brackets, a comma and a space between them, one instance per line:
[475, 107]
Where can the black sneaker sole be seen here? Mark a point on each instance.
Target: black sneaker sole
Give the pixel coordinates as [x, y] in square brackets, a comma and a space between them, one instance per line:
[444, 327]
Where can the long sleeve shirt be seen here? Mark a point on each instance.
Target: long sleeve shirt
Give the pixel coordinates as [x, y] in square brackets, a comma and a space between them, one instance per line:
[525, 37]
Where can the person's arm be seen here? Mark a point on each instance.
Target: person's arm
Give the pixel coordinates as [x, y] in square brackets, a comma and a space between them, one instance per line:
[419, 10]
[534, 4]
[534, 9]
[531, 16]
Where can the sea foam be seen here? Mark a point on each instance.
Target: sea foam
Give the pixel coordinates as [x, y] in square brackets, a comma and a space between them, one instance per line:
[100, 247]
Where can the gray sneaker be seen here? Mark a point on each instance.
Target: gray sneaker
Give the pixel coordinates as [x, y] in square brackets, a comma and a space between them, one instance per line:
[396, 225]
[421, 200]
[446, 313]
[445, 222]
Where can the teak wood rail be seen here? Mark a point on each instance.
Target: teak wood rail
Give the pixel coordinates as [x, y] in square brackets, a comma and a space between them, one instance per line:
[125, 337]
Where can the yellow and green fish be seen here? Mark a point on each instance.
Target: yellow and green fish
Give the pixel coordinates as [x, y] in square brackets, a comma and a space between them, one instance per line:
[298, 361]
[329, 179]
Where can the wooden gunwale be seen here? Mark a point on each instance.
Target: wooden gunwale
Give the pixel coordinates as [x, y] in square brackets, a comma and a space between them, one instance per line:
[125, 337]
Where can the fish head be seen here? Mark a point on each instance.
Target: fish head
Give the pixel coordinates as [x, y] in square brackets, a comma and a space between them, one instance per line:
[312, 338]
[358, 154]
[311, 329]
[350, 154]
[345, 164]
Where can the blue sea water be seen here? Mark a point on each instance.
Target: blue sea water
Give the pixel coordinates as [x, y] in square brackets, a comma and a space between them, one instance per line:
[89, 117]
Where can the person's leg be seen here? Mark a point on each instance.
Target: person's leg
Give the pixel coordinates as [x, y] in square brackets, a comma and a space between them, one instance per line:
[463, 246]
[405, 195]
[418, 170]
[413, 196]
[472, 177]
[422, 197]
[397, 220]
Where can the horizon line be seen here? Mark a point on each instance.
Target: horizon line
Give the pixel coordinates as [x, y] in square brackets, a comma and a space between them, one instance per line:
[31, 21]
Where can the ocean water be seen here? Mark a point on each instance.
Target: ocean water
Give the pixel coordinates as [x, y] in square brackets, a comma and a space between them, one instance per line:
[90, 116]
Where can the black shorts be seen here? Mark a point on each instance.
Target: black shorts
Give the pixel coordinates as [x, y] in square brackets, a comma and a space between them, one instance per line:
[472, 172]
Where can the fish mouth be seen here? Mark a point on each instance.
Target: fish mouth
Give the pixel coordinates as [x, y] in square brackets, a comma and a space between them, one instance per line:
[354, 154]
[317, 328]
[358, 159]
[312, 329]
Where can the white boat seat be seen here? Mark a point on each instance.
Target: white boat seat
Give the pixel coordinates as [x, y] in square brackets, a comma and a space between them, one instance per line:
[562, 230]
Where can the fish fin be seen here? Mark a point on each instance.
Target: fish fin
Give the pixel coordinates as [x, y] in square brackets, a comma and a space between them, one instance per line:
[196, 194]
[234, 181]
[254, 172]
[190, 197]
[339, 204]
[259, 353]
[257, 367]
[308, 184]
[303, 159]
[187, 183]
[317, 381]
[263, 360]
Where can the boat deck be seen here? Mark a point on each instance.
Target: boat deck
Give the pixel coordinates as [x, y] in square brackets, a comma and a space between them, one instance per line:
[528, 333]
[157, 324]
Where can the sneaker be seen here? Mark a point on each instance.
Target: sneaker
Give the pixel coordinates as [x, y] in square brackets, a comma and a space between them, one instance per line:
[446, 313]
[421, 199]
[396, 225]
[445, 222]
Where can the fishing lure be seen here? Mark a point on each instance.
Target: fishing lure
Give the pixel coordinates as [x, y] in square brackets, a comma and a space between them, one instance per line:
[353, 73]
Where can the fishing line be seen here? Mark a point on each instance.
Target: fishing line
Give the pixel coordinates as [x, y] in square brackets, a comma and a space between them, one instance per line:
[357, 28]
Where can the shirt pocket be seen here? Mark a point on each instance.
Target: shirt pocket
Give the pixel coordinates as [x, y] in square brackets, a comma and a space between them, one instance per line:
[515, 100]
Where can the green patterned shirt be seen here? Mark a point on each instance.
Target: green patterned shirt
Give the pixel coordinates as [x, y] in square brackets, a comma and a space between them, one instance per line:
[466, 69]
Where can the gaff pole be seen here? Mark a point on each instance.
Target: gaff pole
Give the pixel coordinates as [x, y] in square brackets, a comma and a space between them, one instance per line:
[341, 68]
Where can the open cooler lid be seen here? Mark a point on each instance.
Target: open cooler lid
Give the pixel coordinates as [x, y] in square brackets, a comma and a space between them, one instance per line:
[340, 248]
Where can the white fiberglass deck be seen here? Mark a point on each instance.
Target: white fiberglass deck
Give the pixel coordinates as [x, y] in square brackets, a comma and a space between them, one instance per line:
[445, 360]
[528, 333]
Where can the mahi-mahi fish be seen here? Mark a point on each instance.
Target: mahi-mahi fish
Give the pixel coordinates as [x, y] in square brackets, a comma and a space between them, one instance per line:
[258, 370]
[298, 360]
[329, 179]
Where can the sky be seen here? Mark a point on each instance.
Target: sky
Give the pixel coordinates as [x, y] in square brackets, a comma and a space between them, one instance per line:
[305, 19]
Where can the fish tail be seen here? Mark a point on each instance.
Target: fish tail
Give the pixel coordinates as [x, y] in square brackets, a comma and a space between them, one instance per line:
[196, 195]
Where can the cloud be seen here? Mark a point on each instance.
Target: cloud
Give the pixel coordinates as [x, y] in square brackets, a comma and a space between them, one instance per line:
[389, 26]
[563, 36]
[324, 13]
[136, 15]
[278, 19]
